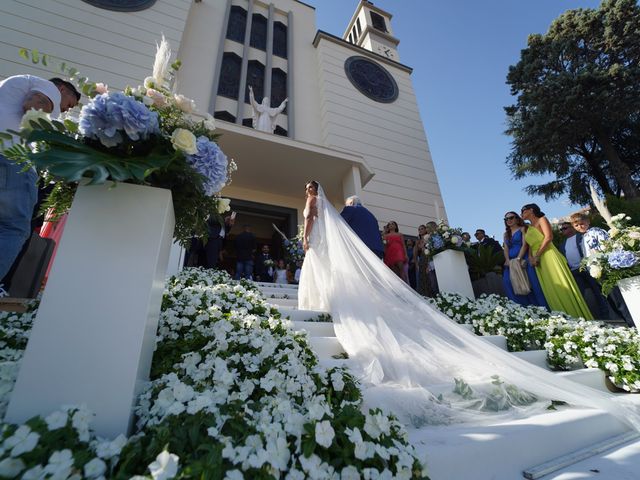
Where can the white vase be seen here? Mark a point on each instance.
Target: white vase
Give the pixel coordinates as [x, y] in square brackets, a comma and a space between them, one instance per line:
[452, 273]
[94, 335]
[630, 289]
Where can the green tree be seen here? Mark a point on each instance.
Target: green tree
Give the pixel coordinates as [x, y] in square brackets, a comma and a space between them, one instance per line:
[577, 114]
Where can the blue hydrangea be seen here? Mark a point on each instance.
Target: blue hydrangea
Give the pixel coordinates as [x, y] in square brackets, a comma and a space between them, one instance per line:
[438, 241]
[622, 259]
[211, 163]
[110, 115]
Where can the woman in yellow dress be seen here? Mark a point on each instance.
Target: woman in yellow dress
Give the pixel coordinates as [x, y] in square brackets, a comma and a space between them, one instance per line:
[559, 287]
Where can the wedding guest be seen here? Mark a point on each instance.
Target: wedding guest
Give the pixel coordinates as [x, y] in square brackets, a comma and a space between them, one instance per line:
[18, 195]
[218, 233]
[559, 287]
[482, 239]
[264, 265]
[431, 279]
[245, 247]
[296, 275]
[395, 253]
[280, 274]
[588, 240]
[420, 261]
[411, 265]
[515, 247]
[363, 223]
[466, 237]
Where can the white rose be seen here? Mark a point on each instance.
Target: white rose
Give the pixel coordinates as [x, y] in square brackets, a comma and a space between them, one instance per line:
[595, 271]
[614, 231]
[634, 235]
[209, 122]
[455, 239]
[33, 115]
[185, 104]
[185, 141]
[223, 205]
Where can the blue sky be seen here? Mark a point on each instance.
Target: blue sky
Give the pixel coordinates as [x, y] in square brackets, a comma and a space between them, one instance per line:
[460, 51]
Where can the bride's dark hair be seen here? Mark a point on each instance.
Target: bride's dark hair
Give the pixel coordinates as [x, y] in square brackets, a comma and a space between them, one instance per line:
[314, 183]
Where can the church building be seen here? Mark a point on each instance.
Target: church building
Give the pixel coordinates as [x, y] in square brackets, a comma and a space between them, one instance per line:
[351, 121]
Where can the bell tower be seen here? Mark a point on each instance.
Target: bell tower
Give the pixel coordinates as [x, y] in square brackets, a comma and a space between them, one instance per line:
[370, 28]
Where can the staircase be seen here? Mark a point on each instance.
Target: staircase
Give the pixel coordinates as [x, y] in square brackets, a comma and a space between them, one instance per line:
[531, 448]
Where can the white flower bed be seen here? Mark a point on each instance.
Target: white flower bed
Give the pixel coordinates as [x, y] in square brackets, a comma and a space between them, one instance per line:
[568, 341]
[234, 394]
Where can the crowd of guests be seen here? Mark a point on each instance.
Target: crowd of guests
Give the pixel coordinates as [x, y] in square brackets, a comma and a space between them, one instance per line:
[249, 259]
[535, 272]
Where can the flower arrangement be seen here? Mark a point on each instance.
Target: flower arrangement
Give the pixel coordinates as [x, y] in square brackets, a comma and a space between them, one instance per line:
[233, 391]
[444, 238]
[618, 257]
[148, 135]
[570, 343]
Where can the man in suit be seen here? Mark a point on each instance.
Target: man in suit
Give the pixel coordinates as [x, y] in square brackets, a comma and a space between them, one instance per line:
[573, 248]
[364, 224]
[245, 246]
[217, 234]
[487, 241]
[264, 272]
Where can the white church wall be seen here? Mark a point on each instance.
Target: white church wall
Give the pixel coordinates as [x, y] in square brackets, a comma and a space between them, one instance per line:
[390, 137]
[116, 48]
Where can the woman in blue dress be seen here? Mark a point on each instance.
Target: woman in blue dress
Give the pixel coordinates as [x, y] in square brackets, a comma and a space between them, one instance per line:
[515, 247]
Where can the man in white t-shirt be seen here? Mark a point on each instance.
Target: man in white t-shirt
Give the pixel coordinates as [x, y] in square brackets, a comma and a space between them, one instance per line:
[18, 190]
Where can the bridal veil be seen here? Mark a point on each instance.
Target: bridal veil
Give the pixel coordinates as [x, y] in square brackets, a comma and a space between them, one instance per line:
[410, 357]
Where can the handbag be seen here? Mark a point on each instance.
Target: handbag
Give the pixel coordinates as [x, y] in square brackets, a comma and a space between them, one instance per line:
[518, 276]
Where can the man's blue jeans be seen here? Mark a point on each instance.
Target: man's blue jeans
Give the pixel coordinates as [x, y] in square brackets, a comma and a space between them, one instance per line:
[244, 269]
[18, 196]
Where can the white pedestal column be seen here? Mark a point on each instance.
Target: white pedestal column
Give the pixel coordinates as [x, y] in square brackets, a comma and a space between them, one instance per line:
[94, 335]
[452, 273]
[630, 289]
[176, 260]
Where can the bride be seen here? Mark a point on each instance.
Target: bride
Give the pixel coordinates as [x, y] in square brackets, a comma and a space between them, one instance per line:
[411, 359]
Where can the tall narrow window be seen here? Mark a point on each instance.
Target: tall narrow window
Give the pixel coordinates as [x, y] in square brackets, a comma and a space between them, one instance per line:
[258, 32]
[358, 26]
[278, 87]
[229, 84]
[237, 24]
[280, 39]
[378, 22]
[255, 79]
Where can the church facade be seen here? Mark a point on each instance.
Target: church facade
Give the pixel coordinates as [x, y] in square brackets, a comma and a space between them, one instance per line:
[351, 121]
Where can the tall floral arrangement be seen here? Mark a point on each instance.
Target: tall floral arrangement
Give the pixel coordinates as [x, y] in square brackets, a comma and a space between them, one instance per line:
[444, 238]
[619, 256]
[148, 135]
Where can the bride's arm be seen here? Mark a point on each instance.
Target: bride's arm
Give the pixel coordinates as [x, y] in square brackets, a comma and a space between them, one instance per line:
[308, 221]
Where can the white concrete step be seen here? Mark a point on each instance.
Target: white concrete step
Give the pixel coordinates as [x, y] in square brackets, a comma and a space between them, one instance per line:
[326, 347]
[276, 285]
[503, 450]
[267, 291]
[315, 329]
[301, 315]
[537, 357]
[498, 340]
[284, 302]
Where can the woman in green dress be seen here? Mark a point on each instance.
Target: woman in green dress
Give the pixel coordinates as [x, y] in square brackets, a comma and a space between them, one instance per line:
[559, 287]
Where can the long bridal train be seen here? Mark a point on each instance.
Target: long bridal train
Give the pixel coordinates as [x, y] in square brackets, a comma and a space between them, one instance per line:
[411, 357]
[500, 449]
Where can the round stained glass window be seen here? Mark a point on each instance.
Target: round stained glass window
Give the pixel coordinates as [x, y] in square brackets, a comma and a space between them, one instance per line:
[122, 5]
[371, 79]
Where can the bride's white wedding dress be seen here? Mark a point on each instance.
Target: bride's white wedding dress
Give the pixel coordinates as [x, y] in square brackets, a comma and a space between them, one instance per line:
[409, 356]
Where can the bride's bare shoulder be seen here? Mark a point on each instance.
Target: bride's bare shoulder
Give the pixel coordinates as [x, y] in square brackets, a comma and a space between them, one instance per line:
[312, 201]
